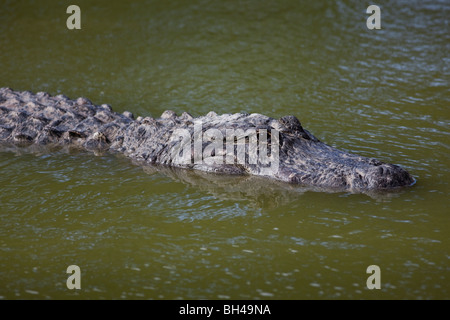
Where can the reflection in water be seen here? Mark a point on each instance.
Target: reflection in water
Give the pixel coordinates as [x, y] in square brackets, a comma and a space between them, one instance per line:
[258, 191]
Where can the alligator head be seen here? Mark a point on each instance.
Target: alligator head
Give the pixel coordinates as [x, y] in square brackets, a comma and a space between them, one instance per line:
[306, 160]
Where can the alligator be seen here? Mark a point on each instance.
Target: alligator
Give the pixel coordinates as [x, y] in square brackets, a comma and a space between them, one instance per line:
[200, 143]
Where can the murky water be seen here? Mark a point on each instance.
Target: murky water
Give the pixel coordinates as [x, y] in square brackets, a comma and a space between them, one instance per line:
[163, 234]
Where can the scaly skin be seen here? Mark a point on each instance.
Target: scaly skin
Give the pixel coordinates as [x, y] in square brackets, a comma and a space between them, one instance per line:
[27, 118]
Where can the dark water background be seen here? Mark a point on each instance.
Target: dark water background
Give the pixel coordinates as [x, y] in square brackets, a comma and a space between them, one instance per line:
[139, 233]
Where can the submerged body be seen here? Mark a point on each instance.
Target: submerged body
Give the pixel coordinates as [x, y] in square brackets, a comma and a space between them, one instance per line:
[27, 118]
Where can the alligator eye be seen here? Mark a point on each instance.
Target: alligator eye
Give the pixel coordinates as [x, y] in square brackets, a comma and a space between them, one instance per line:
[291, 123]
[375, 162]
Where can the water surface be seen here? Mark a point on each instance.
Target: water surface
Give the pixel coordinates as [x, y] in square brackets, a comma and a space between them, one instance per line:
[141, 233]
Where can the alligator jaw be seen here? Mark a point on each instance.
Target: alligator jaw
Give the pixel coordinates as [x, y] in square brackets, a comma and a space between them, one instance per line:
[321, 165]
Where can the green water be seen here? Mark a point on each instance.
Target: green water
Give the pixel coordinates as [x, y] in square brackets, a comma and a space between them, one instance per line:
[140, 233]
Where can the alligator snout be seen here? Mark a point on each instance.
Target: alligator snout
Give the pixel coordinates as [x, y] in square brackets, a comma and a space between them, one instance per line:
[312, 162]
[387, 176]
